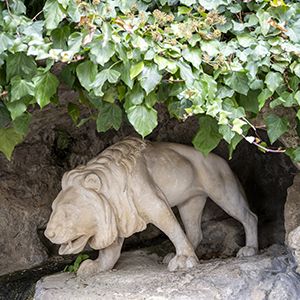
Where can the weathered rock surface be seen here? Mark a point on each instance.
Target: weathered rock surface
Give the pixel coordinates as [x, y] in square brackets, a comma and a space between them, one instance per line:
[292, 219]
[292, 206]
[294, 244]
[139, 275]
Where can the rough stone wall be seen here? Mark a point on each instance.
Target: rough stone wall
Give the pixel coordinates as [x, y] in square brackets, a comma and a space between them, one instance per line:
[292, 206]
[31, 181]
[292, 219]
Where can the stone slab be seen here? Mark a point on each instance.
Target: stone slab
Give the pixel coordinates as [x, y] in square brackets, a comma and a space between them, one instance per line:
[139, 275]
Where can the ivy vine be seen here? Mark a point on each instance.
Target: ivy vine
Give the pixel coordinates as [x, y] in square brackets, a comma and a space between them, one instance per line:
[223, 60]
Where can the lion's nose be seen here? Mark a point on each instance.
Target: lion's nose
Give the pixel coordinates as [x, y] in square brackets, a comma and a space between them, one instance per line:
[50, 234]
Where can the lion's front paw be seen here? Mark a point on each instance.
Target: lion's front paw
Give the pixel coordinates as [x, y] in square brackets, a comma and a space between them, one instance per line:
[88, 267]
[246, 251]
[182, 262]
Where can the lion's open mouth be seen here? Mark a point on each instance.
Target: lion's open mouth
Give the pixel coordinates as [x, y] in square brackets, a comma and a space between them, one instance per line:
[73, 246]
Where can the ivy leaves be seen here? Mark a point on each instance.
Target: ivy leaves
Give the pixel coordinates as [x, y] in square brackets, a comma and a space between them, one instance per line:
[9, 138]
[136, 69]
[86, 73]
[273, 81]
[143, 119]
[150, 78]
[276, 126]
[123, 57]
[208, 136]
[45, 87]
[20, 64]
[54, 13]
[109, 116]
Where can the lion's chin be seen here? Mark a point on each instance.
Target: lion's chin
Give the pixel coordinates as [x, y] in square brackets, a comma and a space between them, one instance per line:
[73, 246]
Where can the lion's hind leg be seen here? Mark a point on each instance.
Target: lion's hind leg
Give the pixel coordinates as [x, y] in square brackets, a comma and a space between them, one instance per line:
[191, 214]
[250, 225]
[235, 204]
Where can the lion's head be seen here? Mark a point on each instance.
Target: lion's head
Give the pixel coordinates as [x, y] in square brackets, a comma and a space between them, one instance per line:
[81, 215]
[97, 201]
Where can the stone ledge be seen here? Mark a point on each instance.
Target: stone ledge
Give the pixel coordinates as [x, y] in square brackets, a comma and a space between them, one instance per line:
[139, 275]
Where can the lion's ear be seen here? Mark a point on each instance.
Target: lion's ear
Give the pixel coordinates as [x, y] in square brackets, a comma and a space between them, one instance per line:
[92, 181]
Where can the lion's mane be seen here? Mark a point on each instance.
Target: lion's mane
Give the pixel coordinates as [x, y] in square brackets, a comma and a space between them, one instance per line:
[114, 166]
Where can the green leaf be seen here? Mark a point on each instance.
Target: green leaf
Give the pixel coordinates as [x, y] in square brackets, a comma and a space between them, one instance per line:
[183, 10]
[60, 36]
[188, 2]
[74, 42]
[64, 3]
[54, 14]
[276, 126]
[112, 75]
[9, 138]
[140, 43]
[20, 64]
[150, 78]
[143, 119]
[151, 99]
[237, 125]
[98, 83]
[166, 64]
[110, 95]
[102, 52]
[263, 96]
[18, 7]
[107, 74]
[110, 116]
[45, 87]
[208, 136]
[297, 97]
[212, 48]
[5, 42]
[226, 132]
[193, 55]
[86, 73]
[161, 62]
[209, 5]
[250, 102]
[21, 88]
[74, 11]
[246, 40]
[4, 115]
[136, 69]
[294, 154]
[21, 124]
[186, 72]
[135, 96]
[238, 81]
[234, 142]
[178, 108]
[124, 69]
[264, 18]
[67, 74]
[293, 31]
[273, 80]
[209, 86]
[16, 108]
[74, 112]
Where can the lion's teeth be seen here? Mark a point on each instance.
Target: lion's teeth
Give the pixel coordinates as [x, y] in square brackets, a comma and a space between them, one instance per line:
[70, 244]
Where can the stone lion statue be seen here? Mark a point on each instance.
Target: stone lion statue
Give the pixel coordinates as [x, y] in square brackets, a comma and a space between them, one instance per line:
[136, 182]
